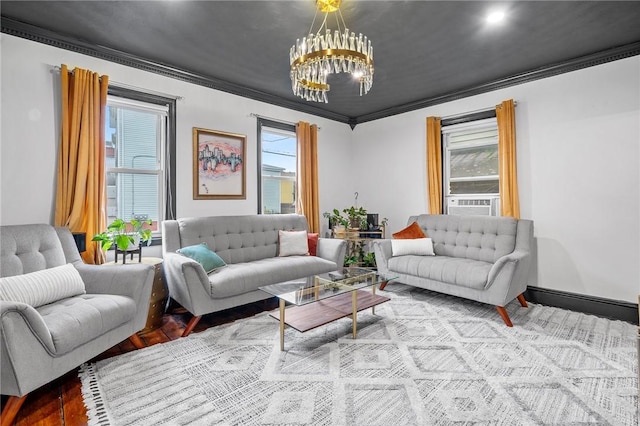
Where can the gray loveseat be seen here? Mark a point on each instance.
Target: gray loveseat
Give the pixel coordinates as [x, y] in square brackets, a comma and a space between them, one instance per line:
[249, 246]
[40, 344]
[482, 258]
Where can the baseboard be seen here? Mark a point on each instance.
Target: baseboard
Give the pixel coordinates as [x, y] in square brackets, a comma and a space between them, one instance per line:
[608, 308]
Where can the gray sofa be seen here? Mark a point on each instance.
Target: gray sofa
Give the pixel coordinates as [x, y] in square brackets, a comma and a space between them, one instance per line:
[249, 246]
[40, 344]
[482, 258]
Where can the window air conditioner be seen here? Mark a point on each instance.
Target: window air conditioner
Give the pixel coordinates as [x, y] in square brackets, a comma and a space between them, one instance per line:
[473, 206]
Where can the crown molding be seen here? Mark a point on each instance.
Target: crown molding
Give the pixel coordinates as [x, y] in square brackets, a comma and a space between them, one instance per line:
[40, 35]
[598, 58]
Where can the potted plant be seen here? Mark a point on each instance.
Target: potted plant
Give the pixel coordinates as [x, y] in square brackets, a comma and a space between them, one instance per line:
[369, 260]
[337, 222]
[357, 217]
[350, 261]
[125, 235]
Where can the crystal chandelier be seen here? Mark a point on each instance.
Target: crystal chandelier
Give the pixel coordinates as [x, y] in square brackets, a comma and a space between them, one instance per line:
[318, 55]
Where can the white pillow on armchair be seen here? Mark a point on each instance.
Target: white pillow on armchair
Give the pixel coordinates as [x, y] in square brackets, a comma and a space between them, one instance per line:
[42, 287]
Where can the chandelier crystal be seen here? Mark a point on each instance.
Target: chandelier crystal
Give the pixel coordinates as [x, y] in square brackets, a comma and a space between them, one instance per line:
[320, 54]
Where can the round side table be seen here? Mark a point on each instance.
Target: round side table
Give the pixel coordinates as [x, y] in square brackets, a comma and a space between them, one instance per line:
[159, 292]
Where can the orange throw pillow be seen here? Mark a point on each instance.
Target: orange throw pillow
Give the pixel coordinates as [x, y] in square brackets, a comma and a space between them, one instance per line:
[410, 232]
[312, 239]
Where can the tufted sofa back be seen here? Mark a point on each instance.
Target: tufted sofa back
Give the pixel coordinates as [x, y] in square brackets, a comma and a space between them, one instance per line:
[236, 239]
[484, 238]
[29, 248]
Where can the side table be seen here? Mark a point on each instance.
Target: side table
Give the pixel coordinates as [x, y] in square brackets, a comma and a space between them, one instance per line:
[159, 292]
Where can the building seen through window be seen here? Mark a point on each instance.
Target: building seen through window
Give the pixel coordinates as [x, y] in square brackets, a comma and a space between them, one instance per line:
[278, 163]
[135, 150]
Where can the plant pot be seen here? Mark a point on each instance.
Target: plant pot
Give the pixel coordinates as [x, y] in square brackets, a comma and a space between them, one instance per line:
[135, 244]
[352, 233]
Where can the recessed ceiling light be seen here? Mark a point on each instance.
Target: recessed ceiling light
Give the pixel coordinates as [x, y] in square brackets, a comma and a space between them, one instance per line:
[495, 17]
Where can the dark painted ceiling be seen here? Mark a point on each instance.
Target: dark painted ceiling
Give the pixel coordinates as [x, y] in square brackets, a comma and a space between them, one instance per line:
[425, 52]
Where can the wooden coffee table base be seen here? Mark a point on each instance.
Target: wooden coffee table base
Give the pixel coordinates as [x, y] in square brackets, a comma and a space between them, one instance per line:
[307, 317]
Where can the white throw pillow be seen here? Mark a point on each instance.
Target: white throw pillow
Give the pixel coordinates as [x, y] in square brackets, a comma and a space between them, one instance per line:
[417, 246]
[293, 243]
[42, 287]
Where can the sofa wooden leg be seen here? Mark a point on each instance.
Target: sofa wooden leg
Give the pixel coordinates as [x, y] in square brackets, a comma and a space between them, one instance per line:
[522, 301]
[136, 341]
[505, 316]
[383, 284]
[11, 408]
[191, 325]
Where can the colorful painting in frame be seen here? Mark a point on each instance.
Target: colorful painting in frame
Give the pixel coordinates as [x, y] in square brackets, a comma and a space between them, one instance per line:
[219, 171]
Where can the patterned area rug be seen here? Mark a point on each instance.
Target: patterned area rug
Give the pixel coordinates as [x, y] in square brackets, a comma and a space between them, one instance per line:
[423, 359]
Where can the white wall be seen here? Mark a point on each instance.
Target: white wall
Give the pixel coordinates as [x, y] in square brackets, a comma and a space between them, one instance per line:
[30, 133]
[578, 158]
[578, 138]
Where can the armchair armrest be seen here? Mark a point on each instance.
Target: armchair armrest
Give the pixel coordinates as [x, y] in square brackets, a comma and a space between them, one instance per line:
[15, 314]
[332, 249]
[382, 251]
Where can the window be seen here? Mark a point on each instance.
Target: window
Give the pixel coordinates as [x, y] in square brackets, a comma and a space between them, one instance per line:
[277, 164]
[470, 162]
[140, 146]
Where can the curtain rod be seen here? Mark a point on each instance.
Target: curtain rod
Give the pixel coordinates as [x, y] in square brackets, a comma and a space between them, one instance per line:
[56, 68]
[253, 114]
[462, 114]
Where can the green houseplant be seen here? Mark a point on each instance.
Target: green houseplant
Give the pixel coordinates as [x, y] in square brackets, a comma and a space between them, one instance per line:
[336, 218]
[125, 235]
[357, 217]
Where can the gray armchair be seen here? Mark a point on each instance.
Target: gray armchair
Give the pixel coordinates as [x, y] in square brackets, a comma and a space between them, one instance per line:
[41, 344]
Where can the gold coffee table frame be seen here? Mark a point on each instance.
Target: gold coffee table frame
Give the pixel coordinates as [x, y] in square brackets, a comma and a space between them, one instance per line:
[321, 299]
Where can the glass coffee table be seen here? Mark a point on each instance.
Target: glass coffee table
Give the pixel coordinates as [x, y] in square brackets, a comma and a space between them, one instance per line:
[324, 298]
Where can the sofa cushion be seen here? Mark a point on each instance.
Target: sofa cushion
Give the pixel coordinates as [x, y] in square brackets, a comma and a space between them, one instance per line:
[209, 260]
[416, 246]
[293, 243]
[77, 320]
[29, 248]
[460, 271]
[42, 287]
[410, 232]
[312, 240]
[239, 278]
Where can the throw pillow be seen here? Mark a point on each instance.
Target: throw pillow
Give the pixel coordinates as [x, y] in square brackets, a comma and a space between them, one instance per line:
[416, 246]
[312, 241]
[293, 243]
[209, 260]
[410, 232]
[42, 287]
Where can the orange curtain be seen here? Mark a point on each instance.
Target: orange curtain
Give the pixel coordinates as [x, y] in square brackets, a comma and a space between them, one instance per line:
[308, 204]
[80, 194]
[509, 201]
[434, 165]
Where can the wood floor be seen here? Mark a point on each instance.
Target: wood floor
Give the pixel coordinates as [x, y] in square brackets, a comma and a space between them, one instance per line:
[60, 402]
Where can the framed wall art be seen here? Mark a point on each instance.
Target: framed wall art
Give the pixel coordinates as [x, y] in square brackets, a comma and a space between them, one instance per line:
[219, 171]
